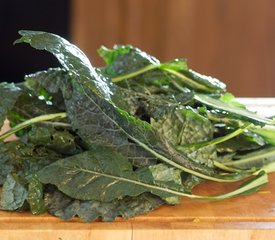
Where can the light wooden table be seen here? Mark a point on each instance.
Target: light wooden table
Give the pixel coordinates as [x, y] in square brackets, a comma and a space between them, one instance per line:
[241, 218]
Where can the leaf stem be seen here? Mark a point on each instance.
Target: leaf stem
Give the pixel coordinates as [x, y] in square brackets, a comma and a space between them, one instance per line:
[267, 154]
[31, 121]
[214, 141]
[136, 73]
[249, 186]
[187, 80]
[179, 75]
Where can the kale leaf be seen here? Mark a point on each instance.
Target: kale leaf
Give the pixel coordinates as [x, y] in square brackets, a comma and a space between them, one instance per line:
[60, 205]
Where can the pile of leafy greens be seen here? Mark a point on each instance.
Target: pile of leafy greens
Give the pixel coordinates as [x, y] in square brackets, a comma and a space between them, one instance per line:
[123, 139]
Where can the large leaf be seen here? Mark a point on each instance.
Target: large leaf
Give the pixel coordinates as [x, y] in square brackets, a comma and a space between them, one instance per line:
[104, 175]
[66, 208]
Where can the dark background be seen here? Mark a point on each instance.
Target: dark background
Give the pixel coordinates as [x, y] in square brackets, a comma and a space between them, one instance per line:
[18, 60]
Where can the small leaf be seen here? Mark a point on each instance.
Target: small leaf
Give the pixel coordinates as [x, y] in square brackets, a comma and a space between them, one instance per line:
[13, 194]
[36, 196]
[8, 96]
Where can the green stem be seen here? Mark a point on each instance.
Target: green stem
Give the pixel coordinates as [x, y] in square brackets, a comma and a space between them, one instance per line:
[187, 80]
[31, 121]
[215, 141]
[136, 73]
[269, 153]
[225, 168]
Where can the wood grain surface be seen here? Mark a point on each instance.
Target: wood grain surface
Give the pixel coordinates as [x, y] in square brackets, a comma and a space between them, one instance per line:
[232, 40]
[244, 217]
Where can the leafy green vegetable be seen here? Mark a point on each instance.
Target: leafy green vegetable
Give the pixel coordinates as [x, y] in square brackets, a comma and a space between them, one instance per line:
[91, 96]
[125, 138]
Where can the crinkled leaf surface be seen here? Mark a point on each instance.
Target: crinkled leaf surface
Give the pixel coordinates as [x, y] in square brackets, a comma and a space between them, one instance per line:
[184, 126]
[66, 208]
[61, 141]
[21, 162]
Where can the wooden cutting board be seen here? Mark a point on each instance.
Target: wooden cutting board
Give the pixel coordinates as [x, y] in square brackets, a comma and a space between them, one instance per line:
[241, 218]
[244, 217]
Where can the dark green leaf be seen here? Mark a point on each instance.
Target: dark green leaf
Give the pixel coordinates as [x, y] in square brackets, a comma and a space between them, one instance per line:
[60, 141]
[66, 208]
[36, 196]
[184, 126]
[13, 194]
[71, 58]
[6, 166]
[28, 106]
[49, 82]
[104, 175]
[8, 96]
